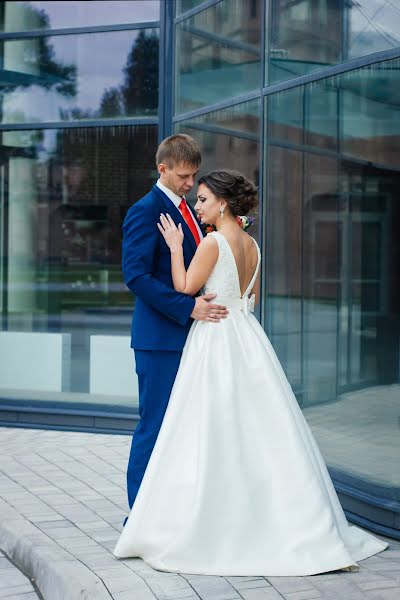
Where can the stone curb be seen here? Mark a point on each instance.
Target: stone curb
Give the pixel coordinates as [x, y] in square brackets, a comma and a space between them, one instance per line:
[57, 574]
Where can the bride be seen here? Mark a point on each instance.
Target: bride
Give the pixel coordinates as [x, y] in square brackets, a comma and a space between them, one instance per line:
[236, 484]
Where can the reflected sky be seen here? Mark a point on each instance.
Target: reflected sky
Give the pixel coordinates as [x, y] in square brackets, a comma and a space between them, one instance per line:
[100, 60]
[373, 24]
[80, 14]
[310, 34]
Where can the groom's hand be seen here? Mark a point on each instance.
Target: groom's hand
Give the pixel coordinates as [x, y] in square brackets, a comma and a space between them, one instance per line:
[205, 311]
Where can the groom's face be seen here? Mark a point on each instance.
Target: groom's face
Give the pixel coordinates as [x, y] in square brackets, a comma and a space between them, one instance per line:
[179, 178]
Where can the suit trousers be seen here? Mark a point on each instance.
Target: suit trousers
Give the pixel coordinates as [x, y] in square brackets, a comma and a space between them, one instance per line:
[156, 371]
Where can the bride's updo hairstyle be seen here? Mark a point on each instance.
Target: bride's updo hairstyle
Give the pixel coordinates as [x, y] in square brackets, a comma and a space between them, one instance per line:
[239, 193]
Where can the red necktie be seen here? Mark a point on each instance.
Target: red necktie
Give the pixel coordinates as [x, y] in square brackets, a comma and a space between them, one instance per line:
[187, 215]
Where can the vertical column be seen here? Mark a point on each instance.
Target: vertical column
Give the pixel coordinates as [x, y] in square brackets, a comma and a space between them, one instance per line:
[21, 56]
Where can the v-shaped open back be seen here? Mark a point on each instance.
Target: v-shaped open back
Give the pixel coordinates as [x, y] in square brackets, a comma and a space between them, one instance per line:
[230, 253]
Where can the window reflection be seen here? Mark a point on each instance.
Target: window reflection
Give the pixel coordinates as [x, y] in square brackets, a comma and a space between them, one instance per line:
[333, 250]
[229, 138]
[184, 5]
[64, 194]
[309, 34]
[88, 76]
[218, 54]
[23, 16]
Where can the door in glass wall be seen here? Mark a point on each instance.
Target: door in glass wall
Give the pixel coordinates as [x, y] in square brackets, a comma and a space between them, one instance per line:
[369, 329]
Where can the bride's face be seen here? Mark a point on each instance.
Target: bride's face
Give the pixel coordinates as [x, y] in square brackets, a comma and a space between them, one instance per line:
[207, 205]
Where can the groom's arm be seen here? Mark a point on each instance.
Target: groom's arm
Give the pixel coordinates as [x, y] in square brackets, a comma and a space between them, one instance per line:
[139, 248]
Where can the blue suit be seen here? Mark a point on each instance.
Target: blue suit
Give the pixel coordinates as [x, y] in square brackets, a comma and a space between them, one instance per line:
[161, 319]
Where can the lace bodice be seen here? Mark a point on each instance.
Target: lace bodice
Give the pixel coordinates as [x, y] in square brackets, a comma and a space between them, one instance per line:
[224, 279]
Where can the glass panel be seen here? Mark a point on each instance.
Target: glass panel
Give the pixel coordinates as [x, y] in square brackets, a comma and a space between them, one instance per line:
[64, 194]
[287, 115]
[320, 277]
[229, 138]
[23, 16]
[333, 248]
[185, 5]
[73, 77]
[283, 273]
[370, 101]
[307, 35]
[217, 54]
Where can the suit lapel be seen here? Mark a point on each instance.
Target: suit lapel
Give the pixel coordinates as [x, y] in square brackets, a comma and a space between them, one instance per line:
[175, 213]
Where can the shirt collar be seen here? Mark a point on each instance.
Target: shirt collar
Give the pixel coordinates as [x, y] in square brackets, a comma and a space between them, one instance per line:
[171, 195]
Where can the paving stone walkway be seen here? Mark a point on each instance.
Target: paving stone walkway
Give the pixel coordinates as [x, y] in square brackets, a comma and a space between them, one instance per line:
[62, 503]
[14, 585]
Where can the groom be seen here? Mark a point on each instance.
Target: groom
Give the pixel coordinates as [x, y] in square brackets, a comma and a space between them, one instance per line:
[162, 316]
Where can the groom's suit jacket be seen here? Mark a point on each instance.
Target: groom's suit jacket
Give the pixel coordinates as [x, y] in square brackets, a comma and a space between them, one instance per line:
[161, 319]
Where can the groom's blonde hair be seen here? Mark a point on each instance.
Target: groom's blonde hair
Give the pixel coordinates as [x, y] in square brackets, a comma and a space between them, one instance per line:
[178, 148]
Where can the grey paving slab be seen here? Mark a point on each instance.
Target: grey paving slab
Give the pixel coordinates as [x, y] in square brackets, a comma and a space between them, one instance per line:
[61, 510]
[388, 594]
[261, 594]
[304, 595]
[13, 583]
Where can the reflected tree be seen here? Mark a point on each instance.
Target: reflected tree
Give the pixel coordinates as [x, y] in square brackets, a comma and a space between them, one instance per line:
[139, 91]
[45, 70]
[140, 87]
[112, 103]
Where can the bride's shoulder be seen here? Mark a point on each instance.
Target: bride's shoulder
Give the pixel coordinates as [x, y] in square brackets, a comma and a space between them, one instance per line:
[209, 241]
[208, 250]
[247, 239]
[251, 245]
[250, 239]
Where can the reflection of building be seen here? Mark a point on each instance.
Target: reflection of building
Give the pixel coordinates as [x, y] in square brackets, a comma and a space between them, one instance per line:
[307, 106]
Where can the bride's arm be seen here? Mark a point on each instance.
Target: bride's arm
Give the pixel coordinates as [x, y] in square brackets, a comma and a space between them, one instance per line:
[190, 281]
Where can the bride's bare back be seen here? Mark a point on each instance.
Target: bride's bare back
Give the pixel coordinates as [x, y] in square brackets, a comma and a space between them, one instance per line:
[245, 254]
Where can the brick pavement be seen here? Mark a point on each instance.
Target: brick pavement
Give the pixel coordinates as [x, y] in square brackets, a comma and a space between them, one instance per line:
[62, 502]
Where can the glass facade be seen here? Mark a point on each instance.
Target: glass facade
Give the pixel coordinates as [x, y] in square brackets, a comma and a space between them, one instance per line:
[332, 228]
[303, 97]
[215, 58]
[309, 35]
[78, 136]
[65, 194]
[25, 16]
[80, 76]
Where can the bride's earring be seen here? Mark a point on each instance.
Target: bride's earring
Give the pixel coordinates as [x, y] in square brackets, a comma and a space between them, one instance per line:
[221, 211]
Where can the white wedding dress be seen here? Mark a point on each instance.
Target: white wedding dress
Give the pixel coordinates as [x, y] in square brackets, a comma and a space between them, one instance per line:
[236, 484]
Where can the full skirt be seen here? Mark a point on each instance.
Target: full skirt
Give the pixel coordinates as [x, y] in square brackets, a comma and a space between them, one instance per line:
[236, 484]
